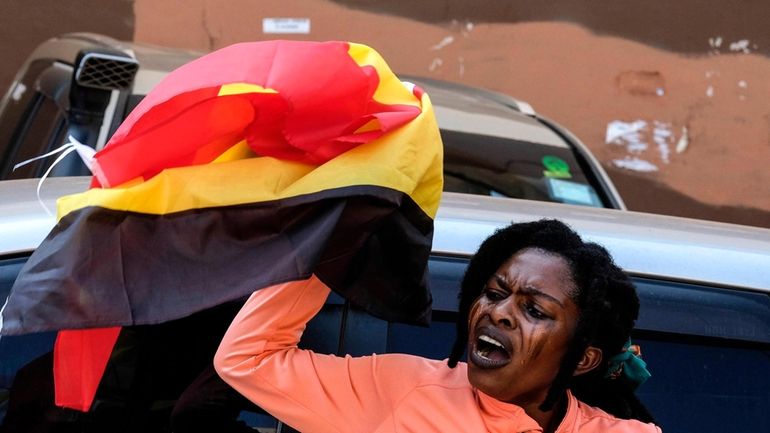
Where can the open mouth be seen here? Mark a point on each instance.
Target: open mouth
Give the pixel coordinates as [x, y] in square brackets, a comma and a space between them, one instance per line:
[489, 352]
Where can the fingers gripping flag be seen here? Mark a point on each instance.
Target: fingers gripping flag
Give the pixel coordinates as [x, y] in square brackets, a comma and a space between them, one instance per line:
[256, 164]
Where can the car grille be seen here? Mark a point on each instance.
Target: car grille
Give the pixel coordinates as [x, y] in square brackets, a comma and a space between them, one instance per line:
[105, 71]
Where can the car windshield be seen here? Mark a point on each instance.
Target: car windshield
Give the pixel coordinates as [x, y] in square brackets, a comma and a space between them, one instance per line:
[495, 166]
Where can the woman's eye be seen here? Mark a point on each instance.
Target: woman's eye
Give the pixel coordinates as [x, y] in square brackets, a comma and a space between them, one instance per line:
[535, 312]
[494, 295]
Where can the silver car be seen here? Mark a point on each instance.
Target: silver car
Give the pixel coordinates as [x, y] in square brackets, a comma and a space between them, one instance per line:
[704, 287]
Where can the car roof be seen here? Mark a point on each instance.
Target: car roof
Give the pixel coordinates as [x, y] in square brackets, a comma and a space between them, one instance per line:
[478, 111]
[655, 246]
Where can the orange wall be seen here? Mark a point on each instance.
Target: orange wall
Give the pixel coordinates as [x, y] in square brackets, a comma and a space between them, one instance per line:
[566, 71]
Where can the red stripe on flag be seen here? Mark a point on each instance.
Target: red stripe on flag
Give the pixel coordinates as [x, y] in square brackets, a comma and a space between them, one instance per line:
[323, 98]
[79, 360]
[176, 134]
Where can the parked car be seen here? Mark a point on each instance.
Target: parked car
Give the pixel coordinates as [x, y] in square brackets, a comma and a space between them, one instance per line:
[704, 287]
[84, 85]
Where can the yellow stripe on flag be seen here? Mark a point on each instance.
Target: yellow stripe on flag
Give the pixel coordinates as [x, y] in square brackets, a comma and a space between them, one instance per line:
[239, 88]
[240, 150]
[390, 90]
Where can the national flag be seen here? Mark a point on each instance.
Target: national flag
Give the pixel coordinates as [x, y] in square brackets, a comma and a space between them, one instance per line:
[257, 164]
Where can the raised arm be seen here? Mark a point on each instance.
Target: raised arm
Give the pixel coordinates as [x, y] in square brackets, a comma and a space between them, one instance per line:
[311, 392]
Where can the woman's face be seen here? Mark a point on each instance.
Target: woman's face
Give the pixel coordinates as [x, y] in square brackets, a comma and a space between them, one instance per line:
[520, 327]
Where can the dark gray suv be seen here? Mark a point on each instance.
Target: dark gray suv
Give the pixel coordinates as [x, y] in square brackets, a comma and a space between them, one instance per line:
[84, 85]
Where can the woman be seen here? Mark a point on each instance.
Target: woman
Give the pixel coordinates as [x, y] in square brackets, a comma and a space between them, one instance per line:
[545, 318]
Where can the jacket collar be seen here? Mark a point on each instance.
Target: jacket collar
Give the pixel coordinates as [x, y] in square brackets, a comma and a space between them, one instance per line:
[498, 416]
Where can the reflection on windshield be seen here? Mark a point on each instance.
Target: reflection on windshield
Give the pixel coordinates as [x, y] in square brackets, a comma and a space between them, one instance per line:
[485, 165]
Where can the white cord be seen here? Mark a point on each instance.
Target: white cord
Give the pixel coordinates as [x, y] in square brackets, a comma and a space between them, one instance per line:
[85, 153]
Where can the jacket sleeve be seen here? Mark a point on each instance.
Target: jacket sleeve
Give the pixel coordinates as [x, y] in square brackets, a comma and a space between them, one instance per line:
[311, 392]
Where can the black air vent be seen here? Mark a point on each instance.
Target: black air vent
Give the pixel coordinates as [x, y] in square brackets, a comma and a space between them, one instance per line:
[106, 71]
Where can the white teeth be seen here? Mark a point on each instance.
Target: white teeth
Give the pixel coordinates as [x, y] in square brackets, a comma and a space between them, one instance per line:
[482, 354]
[491, 340]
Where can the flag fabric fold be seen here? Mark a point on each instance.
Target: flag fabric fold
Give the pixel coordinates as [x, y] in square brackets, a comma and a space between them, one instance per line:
[257, 164]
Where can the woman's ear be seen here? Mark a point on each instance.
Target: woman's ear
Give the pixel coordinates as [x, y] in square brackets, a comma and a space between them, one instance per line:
[592, 357]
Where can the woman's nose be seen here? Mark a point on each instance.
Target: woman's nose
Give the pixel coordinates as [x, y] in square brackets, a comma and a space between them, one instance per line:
[502, 314]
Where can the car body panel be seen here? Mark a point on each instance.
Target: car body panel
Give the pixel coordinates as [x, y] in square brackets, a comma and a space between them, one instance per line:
[24, 221]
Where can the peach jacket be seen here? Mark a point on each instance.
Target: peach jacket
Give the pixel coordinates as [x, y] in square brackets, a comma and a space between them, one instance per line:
[379, 393]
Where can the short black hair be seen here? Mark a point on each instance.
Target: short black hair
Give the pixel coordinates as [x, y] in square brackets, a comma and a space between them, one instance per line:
[604, 294]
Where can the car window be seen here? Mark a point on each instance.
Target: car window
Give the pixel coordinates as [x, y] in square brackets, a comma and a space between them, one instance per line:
[701, 311]
[33, 122]
[46, 131]
[706, 386]
[710, 353]
[18, 106]
[487, 165]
